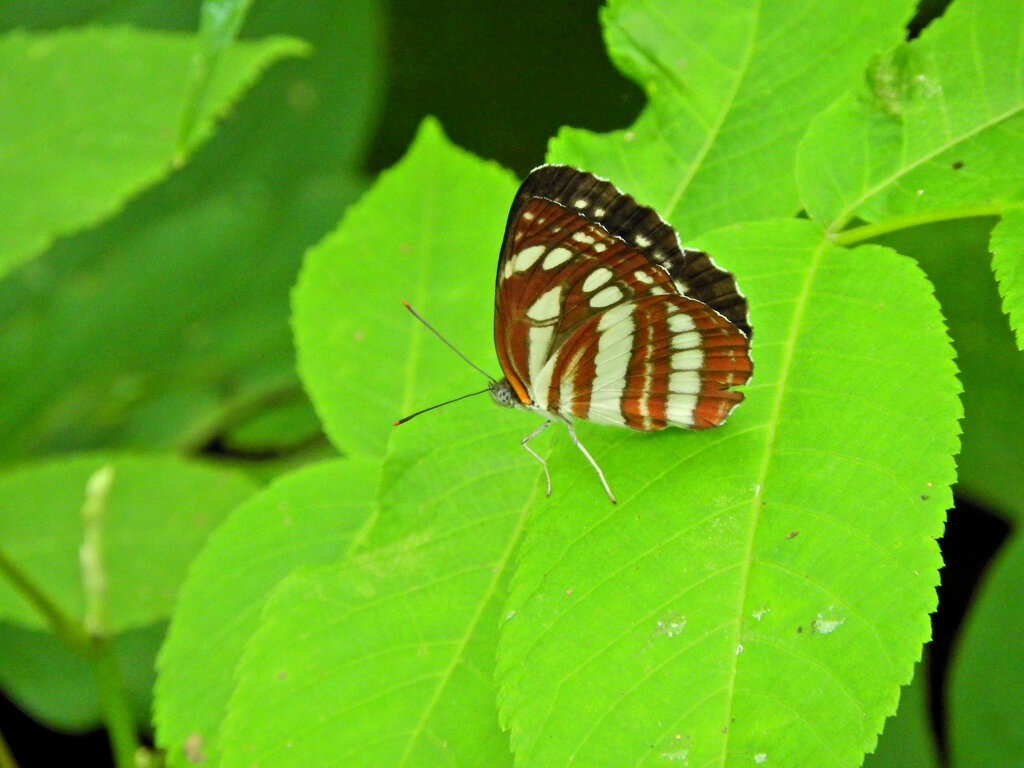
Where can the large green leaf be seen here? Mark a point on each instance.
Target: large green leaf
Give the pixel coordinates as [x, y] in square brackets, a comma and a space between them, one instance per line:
[158, 514]
[937, 127]
[761, 592]
[985, 705]
[166, 326]
[730, 86]
[388, 658]
[429, 233]
[89, 119]
[314, 515]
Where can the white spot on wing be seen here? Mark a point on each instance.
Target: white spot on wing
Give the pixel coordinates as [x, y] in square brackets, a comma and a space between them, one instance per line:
[643, 277]
[615, 329]
[540, 375]
[556, 258]
[547, 306]
[526, 258]
[606, 296]
[684, 383]
[581, 203]
[688, 360]
[529, 215]
[680, 286]
[583, 237]
[680, 323]
[598, 277]
[688, 340]
[679, 409]
[600, 247]
[599, 212]
[643, 241]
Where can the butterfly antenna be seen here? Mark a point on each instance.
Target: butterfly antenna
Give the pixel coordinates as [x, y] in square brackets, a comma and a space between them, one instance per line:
[446, 402]
[452, 348]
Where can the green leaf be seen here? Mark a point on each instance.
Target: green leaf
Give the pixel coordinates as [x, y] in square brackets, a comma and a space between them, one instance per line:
[182, 301]
[935, 133]
[908, 739]
[57, 687]
[409, 630]
[314, 515]
[1008, 264]
[761, 591]
[428, 232]
[985, 706]
[954, 254]
[89, 121]
[219, 22]
[158, 513]
[730, 86]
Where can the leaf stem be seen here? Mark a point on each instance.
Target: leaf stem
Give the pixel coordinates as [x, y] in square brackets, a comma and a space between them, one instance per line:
[65, 628]
[90, 554]
[117, 712]
[870, 231]
[91, 638]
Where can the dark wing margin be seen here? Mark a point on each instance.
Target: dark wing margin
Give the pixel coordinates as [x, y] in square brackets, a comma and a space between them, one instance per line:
[694, 272]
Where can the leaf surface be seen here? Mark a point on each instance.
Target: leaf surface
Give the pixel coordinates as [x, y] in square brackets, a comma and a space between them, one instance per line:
[730, 87]
[761, 591]
[158, 514]
[1008, 264]
[90, 121]
[428, 232]
[313, 515]
[57, 687]
[937, 126]
[985, 708]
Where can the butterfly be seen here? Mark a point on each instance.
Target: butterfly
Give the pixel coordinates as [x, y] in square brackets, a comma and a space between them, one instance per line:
[601, 314]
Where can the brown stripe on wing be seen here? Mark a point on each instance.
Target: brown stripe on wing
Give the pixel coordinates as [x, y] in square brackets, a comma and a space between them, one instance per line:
[674, 378]
[574, 372]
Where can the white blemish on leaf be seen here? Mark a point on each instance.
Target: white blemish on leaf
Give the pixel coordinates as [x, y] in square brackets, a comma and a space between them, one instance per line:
[670, 625]
[823, 626]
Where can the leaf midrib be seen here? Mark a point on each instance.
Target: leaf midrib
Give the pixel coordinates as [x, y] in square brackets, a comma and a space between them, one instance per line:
[772, 432]
[716, 127]
[471, 626]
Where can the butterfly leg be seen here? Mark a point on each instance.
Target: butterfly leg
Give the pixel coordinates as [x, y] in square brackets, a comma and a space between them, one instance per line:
[600, 474]
[530, 451]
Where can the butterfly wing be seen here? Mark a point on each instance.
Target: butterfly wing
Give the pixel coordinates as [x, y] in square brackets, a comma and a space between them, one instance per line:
[584, 269]
[657, 362]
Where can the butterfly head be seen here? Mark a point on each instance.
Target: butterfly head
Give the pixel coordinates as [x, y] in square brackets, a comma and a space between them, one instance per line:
[503, 393]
